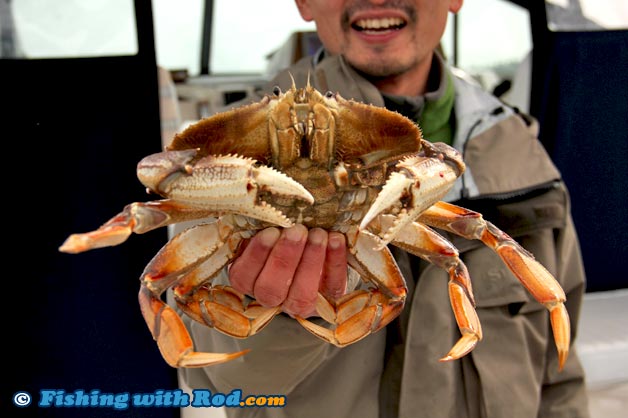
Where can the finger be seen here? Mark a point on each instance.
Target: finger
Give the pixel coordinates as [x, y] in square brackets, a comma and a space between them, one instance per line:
[302, 295]
[245, 269]
[334, 281]
[273, 282]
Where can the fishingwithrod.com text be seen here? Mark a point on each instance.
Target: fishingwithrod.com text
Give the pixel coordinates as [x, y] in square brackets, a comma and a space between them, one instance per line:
[199, 398]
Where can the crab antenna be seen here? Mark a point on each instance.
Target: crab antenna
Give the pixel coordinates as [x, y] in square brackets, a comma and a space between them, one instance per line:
[308, 80]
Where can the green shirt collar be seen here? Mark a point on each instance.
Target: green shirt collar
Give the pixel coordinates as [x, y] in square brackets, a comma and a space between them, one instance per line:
[433, 110]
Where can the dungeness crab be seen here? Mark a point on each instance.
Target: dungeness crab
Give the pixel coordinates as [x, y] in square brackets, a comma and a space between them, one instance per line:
[304, 157]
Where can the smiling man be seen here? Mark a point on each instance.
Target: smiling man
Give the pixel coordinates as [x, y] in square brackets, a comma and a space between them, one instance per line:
[390, 42]
[384, 53]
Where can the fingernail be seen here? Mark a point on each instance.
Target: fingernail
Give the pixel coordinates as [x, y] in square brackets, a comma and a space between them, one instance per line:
[317, 237]
[295, 233]
[335, 241]
[269, 236]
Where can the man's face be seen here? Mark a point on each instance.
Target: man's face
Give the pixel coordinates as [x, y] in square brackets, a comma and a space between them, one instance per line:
[378, 37]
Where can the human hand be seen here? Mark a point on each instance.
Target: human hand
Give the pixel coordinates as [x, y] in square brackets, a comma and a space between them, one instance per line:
[290, 267]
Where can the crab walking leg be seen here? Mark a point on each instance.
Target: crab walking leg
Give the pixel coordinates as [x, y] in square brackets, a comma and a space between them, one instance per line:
[362, 312]
[189, 249]
[173, 339]
[426, 243]
[190, 259]
[136, 218]
[534, 277]
[221, 307]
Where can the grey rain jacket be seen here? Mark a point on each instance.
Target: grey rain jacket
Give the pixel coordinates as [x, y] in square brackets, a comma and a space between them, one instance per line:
[513, 371]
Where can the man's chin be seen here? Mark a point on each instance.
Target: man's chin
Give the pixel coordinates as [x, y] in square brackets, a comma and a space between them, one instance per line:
[379, 68]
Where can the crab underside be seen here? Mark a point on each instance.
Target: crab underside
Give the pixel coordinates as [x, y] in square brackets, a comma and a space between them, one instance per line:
[322, 161]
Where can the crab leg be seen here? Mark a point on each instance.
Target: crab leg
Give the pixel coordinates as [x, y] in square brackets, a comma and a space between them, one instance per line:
[362, 312]
[173, 339]
[136, 217]
[214, 185]
[424, 242]
[190, 249]
[187, 262]
[175, 259]
[225, 309]
[534, 277]
[220, 307]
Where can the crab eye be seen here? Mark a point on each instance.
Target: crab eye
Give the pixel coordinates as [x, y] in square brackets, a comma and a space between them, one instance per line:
[276, 90]
[330, 94]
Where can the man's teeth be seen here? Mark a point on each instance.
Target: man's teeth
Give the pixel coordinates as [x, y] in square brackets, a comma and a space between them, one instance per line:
[386, 23]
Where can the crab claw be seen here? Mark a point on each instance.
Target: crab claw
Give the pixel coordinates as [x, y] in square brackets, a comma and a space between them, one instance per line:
[397, 186]
[279, 184]
[418, 182]
[196, 189]
[404, 190]
[225, 183]
[162, 172]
